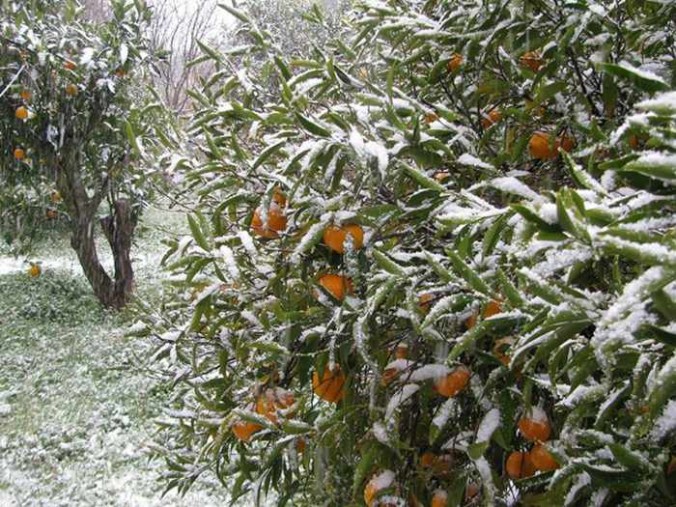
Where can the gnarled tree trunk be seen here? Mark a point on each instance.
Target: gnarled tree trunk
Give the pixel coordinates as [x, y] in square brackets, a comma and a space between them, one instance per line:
[115, 291]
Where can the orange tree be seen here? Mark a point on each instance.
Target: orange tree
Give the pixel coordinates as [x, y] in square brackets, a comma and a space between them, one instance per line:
[435, 265]
[72, 118]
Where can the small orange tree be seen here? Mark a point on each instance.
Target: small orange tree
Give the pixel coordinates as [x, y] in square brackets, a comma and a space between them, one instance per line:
[72, 117]
[497, 322]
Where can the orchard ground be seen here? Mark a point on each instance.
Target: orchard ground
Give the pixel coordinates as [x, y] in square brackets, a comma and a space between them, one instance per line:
[77, 399]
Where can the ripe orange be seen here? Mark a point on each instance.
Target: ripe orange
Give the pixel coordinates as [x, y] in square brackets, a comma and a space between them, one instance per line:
[120, 72]
[453, 383]
[439, 498]
[276, 218]
[69, 65]
[334, 237]
[493, 307]
[519, 465]
[51, 214]
[491, 118]
[55, 197]
[389, 375]
[71, 90]
[499, 349]
[19, 154]
[377, 483]
[633, 142]
[25, 94]
[535, 427]
[34, 270]
[273, 399]
[427, 459]
[431, 117]
[441, 176]
[243, 430]
[331, 385]
[532, 60]
[455, 62]
[542, 146]
[301, 445]
[471, 321]
[337, 285]
[542, 459]
[425, 302]
[21, 113]
[471, 491]
[401, 352]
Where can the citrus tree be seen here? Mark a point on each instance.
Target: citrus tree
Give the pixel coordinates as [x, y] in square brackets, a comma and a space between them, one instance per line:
[434, 265]
[72, 122]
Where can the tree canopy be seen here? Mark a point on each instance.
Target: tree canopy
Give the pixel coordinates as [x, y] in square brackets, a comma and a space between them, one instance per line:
[432, 263]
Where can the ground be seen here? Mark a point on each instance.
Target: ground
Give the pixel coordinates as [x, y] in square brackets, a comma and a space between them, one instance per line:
[77, 398]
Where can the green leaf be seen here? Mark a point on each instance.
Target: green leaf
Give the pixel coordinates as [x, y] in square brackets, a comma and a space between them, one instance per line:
[313, 127]
[472, 278]
[641, 80]
[197, 233]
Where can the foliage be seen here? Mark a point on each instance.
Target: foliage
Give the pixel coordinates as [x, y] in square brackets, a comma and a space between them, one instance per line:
[74, 117]
[549, 275]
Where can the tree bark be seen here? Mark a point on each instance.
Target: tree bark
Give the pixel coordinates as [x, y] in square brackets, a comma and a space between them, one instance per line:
[118, 229]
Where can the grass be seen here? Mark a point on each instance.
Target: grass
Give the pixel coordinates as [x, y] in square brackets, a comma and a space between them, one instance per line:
[77, 402]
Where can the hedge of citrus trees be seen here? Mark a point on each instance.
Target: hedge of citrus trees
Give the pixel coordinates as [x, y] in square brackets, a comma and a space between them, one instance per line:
[435, 265]
[72, 119]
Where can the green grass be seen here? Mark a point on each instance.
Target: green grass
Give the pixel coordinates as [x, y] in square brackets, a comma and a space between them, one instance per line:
[77, 399]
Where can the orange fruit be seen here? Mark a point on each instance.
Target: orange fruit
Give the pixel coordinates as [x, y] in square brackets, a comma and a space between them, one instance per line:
[427, 459]
[519, 465]
[633, 142]
[273, 399]
[491, 118]
[51, 214]
[441, 176]
[276, 218]
[337, 285]
[25, 94]
[19, 154]
[120, 72]
[401, 352]
[389, 375]
[69, 65]
[535, 427]
[425, 302]
[377, 483]
[532, 60]
[542, 146]
[431, 117]
[471, 321]
[243, 430]
[542, 459]
[331, 385]
[71, 90]
[439, 498]
[493, 307]
[499, 348]
[55, 197]
[34, 270]
[334, 237]
[471, 491]
[301, 445]
[455, 62]
[21, 113]
[453, 382]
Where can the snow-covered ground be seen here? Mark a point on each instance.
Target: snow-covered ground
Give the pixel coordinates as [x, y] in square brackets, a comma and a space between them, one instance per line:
[77, 402]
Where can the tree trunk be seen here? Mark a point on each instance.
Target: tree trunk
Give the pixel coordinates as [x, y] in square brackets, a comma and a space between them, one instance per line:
[118, 230]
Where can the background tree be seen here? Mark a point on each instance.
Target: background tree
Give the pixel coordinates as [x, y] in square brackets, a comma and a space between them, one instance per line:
[433, 265]
[73, 121]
